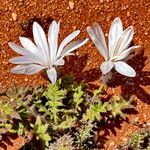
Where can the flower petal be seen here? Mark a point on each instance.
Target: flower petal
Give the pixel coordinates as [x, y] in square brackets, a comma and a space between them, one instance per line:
[19, 69]
[29, 45]
[21, 60]
[99, 34]
[124, 41]
[33, 68]
[115, 32]
[106, 67]
[52, 74]
[73, 46]
[97, 43]
[59, 62]
[126, 53]
[27, 69]
[40, 40]
[124, 69]
[53, 39]
[68, 39]
[23, 51]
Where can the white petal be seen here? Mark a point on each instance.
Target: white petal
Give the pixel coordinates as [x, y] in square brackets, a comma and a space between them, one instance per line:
[40, 40]
[106, 67]
[33, 68]
[99, 34]
[52, 74]
[115, 32]
[21, 60]
[29, 45]
[68, 39]
[23, 51]
[59, 62]
[126, 53]
[124, 69]
[73, 46]
[97, 43]
[124, 41]
[53, 39]
[19, 69]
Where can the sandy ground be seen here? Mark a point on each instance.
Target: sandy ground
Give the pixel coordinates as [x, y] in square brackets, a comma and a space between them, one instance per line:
[17, 16]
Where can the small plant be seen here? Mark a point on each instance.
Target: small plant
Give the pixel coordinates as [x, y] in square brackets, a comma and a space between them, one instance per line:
[63, 143]
[40, 130]
[118, 50]
[137, 141]
[45, 54]
[61, 115]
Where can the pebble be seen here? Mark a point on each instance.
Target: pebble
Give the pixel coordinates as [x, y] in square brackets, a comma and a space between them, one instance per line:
[71, 4]
[112, 144]
[146, 33]
[148, 124]
[101, 1]
[26, 79]
[136, 119]
[125, 139]
[14, 16]
[106, 34]
[128, 13]
[74, 27]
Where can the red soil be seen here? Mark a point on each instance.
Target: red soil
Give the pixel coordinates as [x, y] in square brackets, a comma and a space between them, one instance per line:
[85, 65]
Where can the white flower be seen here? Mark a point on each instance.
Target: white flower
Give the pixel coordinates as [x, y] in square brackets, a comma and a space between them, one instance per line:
[45, 54]
[118, 47]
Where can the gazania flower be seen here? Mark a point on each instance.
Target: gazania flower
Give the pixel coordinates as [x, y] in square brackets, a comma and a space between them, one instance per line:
[118, 47]
[44, 54]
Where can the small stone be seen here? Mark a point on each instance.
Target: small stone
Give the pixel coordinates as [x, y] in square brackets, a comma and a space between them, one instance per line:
[108, 19]
[14, 16]
[148, 124]
[88, 63]
[146, 33]
[106, 34]
[77, 53]
[125, 139]
[71, 4]
[136, 119]
[74, 27]
[101, 1]
[26, 79]
[112, 144]
[128, 13]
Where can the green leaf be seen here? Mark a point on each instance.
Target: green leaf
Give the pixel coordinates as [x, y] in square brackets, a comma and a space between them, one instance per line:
[78, 96]
[93, 113]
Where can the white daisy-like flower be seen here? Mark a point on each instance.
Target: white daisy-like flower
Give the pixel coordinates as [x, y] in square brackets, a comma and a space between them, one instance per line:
[44, 54]
[118, 49]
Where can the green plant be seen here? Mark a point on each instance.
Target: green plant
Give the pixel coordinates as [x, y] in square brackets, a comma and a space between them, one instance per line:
[63, 143]
[40, 130]
[137, 141]
[61, 111]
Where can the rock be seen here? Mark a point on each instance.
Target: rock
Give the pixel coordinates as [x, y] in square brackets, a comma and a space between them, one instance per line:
[26, 79]
[14, 16]
[125, 139]
[136, 119]
[112, 144]
[71, 4]
[148, 124]
[128, 13]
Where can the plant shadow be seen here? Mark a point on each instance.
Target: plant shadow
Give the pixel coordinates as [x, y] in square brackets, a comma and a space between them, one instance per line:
[133, 86]
[75, 65]
[27, 25]
[111, 127]
[7, 140]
